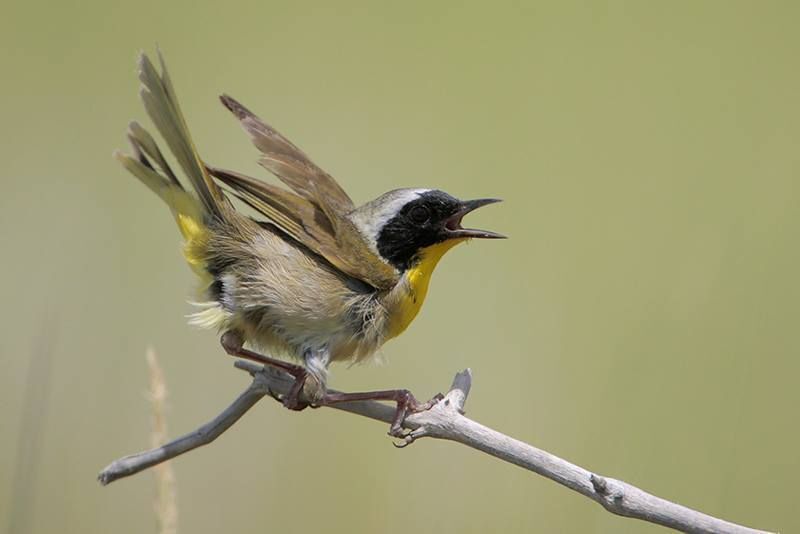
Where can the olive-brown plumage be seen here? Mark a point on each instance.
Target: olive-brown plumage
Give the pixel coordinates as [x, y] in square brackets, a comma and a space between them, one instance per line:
[317, 279]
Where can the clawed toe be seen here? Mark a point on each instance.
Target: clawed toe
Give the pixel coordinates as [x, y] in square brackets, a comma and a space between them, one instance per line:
[405, 407]
[396, 429]
[425, 406]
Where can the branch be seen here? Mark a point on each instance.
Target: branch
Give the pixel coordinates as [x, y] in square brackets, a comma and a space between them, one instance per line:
[130, 465]
[446, 420]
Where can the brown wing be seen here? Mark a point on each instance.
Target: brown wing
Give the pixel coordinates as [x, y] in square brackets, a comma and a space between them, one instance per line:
[282, 158]
[306, 223]
[285, 209]
[315, 214]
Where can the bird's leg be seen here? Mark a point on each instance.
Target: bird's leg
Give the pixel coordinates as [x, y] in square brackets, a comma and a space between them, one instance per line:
[233, 345]
[406, 404]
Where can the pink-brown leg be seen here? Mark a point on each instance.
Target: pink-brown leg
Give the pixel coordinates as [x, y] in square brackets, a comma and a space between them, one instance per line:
[406, 404]
[233, 345]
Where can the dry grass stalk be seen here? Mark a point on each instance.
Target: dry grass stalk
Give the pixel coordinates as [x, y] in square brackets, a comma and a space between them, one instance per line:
[166, 503]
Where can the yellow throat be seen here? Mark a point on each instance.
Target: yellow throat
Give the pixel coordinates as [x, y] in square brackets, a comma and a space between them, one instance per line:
[414, 287]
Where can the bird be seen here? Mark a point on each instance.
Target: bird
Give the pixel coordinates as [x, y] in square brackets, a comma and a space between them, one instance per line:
[311, 278]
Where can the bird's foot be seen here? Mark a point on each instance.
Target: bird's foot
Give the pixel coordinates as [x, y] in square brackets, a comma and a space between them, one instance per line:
[396, 430]
[407, 404]
[233, 344]
[292, 399]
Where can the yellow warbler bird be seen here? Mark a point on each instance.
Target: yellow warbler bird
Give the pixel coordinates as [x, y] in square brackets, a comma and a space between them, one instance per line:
[315, 278]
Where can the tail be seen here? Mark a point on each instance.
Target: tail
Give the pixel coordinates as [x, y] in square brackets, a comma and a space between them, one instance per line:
[192, 211]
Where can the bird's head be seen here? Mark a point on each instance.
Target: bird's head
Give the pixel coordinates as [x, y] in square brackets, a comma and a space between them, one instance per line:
[405, 225]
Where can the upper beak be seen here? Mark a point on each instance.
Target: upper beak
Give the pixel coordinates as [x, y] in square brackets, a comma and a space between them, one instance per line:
[453, 225]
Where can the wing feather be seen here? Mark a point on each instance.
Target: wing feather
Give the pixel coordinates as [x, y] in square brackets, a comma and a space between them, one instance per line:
[291, 165]
[317, 202]
[305, 222]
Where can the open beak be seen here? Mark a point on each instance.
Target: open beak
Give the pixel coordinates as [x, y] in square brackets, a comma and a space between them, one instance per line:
[453, 225]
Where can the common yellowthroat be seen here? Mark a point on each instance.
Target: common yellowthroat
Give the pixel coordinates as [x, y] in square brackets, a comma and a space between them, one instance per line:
[313, 278]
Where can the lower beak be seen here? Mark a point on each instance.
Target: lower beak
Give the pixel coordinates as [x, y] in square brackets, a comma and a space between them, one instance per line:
[453, 225]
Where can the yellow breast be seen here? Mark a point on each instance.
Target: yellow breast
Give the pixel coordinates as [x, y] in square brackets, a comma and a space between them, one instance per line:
[411, 291]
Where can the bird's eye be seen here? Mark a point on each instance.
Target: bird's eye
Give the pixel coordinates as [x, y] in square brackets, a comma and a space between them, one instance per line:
[419, 214]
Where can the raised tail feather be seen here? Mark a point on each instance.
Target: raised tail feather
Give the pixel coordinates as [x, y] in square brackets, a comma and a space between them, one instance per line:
[191, 210]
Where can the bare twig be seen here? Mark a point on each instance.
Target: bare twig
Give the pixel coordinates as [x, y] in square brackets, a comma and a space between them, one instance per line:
[446, 420]
[130, 465]
[165, 505]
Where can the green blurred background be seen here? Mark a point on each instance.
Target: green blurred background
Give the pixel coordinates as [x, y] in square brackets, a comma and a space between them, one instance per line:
[641, 321]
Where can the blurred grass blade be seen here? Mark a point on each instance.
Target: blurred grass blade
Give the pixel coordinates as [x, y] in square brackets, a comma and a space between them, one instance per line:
[166, 502]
